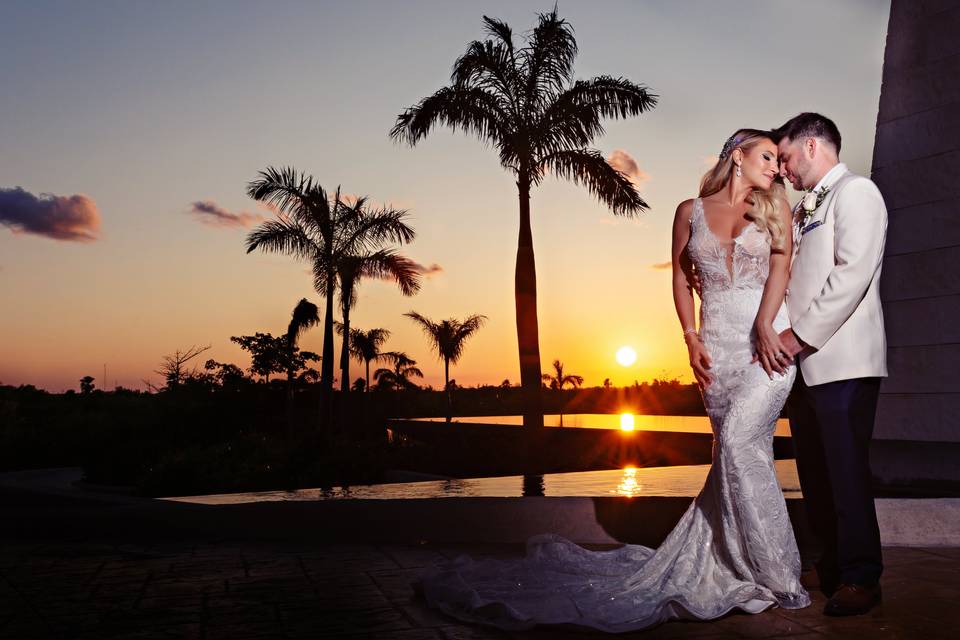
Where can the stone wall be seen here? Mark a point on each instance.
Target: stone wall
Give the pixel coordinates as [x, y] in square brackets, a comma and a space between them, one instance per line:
[916, 164]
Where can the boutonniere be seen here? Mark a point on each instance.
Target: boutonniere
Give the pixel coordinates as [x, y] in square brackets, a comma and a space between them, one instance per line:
[811, 202]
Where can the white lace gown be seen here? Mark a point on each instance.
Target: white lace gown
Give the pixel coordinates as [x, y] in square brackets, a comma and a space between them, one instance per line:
[734, 547]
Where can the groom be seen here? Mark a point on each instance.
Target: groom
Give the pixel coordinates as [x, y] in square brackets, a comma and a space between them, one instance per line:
[836, 333]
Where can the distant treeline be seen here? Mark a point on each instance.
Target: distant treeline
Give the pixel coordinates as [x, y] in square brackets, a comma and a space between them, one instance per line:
[204, 437]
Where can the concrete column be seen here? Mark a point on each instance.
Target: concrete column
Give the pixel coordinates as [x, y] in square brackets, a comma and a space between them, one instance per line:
[916, 164]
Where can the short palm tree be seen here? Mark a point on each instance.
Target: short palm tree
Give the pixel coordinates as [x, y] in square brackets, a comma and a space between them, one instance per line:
[305, 315]
[524, 103]
[365, 346]
[311, 225]
[383, 263]
[448, 338]
[398, 378]
[558, 381]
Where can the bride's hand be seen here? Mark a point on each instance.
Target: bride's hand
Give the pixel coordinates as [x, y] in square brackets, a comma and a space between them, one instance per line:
[699, 360]
[771, 352]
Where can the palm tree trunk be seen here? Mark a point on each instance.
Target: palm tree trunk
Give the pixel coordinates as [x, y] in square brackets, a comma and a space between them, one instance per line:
[326, 365]
[366, 388]
[345, 355]
[528, 339]
[446, 375]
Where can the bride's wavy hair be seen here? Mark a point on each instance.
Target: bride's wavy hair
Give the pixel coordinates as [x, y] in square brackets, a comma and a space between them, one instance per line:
[764, 201]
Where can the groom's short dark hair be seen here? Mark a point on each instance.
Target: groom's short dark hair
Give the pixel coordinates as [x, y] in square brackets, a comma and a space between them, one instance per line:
[811, 125]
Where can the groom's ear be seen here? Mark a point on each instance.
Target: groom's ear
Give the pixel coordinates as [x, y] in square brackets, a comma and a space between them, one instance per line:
[810, 146]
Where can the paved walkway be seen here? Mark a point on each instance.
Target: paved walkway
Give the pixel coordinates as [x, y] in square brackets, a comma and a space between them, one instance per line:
[244, 590]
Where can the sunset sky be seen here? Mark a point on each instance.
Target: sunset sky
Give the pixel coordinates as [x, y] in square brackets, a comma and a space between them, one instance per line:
[144, 121]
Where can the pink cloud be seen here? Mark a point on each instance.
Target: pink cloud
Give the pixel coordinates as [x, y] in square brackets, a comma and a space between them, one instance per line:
[625, 164]
[209, 212]
[662, 266]
[69, 218]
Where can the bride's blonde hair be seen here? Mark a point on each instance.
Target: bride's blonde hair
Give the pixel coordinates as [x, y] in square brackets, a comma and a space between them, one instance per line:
[764, 201]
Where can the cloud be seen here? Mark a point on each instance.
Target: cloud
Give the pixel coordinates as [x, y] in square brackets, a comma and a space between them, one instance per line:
[662, 266]
[70, 218]
[209, 212]
[432, 270]
[624, 163]
[426, 271]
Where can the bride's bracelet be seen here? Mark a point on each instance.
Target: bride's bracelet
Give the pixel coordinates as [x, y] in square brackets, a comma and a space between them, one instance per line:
[690, 331]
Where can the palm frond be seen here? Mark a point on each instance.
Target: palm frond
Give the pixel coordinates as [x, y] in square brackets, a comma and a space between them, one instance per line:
[548, 60]
[281, 235]
[473, 110]
[612, 97]
[488, 65]
[589, 168]
[305, 315]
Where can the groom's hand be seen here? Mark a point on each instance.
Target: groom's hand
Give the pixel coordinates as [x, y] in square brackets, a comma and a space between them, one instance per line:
[791, 342]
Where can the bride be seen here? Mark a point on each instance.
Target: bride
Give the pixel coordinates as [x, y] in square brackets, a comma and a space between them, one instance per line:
[734, 547]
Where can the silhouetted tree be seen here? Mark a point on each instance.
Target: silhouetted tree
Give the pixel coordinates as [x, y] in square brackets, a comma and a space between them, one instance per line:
[86, 384]
[524, 103]
[558, 380]
[448, 338]
[384, 263]
[397, 378]
[322, 230]
[305, 315]
[225, 375]
[365, 346]
[173, 368]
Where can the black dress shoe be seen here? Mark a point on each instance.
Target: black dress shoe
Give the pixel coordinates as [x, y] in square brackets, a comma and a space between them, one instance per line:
[852, 600]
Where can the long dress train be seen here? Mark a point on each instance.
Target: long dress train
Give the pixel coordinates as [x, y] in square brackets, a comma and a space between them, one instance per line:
[734, 546]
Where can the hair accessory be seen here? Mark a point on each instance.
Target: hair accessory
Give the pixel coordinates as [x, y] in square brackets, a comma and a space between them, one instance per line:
[729, 146]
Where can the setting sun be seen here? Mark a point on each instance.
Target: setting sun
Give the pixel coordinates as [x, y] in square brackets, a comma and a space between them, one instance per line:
[626, 422]
[626, 356]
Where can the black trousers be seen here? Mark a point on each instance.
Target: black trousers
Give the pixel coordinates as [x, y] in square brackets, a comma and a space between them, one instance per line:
[832, 424]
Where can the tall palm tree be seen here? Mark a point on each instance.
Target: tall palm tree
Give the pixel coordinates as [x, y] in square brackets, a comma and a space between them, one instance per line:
[448, 338]
[523, 101]
[365, 346]
[399, 377]
[351, 270]
[558, 381]
[313, 226]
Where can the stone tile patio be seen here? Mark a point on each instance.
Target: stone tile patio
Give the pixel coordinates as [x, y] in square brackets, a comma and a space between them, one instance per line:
[240, 590]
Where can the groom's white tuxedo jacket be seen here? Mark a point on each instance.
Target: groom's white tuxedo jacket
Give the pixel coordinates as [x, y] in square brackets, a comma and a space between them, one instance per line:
[833, 297]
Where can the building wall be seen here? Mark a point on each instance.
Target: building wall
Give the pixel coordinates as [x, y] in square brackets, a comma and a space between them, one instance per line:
[916, 164]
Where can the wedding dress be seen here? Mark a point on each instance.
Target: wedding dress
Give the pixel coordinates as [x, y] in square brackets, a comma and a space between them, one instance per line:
[734, 547]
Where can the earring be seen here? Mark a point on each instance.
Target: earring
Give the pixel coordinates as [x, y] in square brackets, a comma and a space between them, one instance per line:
[738, 171]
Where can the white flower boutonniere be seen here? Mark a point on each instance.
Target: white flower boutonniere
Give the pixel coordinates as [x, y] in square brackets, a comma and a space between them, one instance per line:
[811, 202]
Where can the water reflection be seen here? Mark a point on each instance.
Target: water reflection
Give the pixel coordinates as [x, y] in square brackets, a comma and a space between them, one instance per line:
[629, 486]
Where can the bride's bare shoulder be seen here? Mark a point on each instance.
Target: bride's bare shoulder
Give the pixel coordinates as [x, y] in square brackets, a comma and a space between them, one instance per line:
[685, 210]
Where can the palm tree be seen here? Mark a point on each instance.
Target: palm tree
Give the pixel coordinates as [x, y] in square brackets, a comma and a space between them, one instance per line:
[448, 338]
[559, 380]
[523, 102]
[378, 264]
[399, 377]
[365, 346]
[313, 226]
[305, 315]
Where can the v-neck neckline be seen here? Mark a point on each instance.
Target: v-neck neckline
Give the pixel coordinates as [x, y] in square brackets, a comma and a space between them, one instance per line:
[703, 213]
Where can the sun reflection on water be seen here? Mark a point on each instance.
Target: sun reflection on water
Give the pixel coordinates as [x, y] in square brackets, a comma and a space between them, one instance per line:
[628, 484]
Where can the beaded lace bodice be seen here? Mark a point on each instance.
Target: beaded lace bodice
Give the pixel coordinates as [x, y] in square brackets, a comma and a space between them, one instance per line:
[745, 267]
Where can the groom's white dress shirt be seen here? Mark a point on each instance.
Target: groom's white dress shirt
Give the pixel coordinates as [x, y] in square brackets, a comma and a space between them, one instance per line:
[833, 297]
